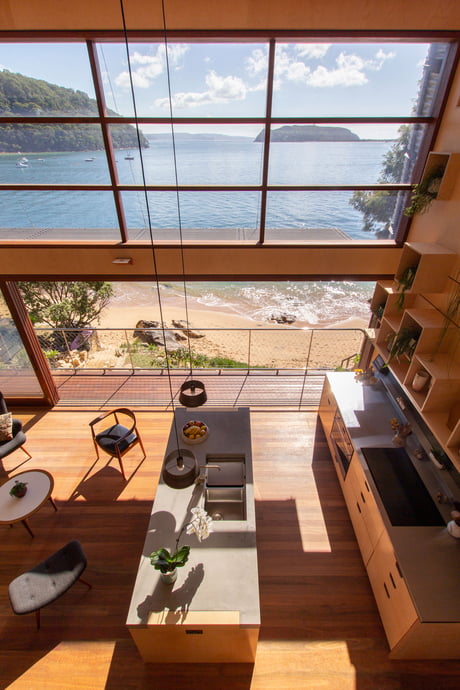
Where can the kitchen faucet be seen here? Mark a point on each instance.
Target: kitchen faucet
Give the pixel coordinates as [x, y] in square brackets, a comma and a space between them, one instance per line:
[202, 477]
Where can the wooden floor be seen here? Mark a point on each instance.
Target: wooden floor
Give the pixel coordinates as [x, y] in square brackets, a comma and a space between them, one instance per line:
[320, 626]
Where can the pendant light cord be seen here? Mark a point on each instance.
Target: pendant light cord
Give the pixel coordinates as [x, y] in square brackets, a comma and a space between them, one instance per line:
[176, 178]
[149, 218]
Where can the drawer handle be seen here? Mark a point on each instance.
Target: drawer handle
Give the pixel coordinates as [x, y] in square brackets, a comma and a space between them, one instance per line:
[386, 590]
[364, 500]
[358, 506]
[392, 581]
[367, 487]
[193, 632]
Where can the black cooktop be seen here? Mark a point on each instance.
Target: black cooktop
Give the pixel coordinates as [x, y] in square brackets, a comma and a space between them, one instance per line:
[403, 493]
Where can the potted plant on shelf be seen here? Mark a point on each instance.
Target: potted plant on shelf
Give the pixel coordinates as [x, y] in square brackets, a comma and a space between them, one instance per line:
[425, 192]
[402, 343]
[19, 489]
[166, 561]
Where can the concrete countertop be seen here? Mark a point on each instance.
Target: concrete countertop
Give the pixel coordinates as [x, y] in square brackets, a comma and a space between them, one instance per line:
[221, 573]
[429, 557]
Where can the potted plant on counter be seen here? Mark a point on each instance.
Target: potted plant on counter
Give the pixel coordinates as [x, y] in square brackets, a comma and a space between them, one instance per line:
[166, 561]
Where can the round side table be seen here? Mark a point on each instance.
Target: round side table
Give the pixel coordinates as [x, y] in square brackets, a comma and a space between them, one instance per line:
[40, 484]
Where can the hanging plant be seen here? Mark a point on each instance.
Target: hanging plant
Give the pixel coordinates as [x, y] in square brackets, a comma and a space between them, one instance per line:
[425, 192]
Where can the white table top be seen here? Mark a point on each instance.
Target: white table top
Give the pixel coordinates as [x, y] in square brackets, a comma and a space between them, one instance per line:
[39, 486]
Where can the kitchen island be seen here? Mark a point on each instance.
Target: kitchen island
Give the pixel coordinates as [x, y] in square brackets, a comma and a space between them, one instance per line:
[211, 613]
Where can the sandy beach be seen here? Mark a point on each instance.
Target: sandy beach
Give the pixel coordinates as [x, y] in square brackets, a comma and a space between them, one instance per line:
[237, 337]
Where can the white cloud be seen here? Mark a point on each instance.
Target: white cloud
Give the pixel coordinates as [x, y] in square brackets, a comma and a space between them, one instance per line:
[314, 51]
[380, 58]
[220, 90]
[348, 72]
[257, 62]
[226, 88]
[349, 69]
[146, 68]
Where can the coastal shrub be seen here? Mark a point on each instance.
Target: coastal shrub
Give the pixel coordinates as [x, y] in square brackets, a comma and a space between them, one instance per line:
[154, 356]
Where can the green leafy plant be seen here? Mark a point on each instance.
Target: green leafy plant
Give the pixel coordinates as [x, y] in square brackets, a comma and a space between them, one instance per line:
[402, 343]
[425, 192]
[166, 561]
[405, 281]
[66, 304]
[18, 489]
[52, 355]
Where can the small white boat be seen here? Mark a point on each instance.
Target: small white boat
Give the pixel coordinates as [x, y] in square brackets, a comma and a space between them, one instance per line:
[22, 163]
[89, 160]
[129, 157]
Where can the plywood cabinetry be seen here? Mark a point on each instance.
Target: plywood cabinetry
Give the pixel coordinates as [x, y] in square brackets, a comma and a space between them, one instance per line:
[327, 409]
[364, 512]
[396, 608]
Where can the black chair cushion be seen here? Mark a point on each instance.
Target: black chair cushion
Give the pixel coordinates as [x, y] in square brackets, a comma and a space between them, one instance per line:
[47, 581]
[107, 439]
[7, 447]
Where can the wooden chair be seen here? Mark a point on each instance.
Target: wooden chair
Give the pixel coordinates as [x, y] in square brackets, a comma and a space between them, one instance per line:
[119, 437]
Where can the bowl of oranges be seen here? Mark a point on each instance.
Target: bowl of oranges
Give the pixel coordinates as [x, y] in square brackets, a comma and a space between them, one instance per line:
[195, 432]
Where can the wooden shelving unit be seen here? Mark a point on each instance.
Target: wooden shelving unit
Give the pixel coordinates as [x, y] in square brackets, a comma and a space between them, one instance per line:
[437, 347]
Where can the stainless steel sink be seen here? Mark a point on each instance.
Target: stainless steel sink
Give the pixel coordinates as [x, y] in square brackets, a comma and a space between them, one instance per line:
[225, 470]
[225, 502]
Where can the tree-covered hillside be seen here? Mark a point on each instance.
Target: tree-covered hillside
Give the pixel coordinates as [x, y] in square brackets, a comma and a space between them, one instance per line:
[20, 95]
[309, 133]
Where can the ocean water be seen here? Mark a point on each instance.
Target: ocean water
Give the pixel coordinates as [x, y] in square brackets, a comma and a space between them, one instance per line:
[313, 304]
[236, 161]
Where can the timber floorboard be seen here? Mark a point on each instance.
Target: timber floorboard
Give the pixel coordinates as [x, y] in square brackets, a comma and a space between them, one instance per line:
[320, 628]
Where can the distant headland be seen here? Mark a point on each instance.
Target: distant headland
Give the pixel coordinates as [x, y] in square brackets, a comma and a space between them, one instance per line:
[309, 133]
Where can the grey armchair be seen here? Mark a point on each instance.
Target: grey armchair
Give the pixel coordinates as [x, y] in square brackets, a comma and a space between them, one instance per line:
[19, 437]
[48, 580]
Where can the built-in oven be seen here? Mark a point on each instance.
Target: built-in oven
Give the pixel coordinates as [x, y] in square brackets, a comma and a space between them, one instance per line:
[341, 443]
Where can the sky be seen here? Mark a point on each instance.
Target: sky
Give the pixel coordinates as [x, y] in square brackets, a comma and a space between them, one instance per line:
[229, 80]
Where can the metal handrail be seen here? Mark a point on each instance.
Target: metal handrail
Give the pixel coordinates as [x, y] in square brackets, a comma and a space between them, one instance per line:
[69, 343]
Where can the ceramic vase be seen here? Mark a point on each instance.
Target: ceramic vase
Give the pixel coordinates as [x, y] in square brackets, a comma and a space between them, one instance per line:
[420, 380]
[169, 578]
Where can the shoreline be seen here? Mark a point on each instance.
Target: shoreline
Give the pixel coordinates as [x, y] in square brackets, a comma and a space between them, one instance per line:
[233, 335]
[125, 310]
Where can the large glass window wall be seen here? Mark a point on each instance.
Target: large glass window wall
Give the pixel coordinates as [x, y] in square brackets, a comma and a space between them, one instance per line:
[250, 140]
